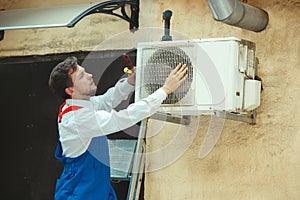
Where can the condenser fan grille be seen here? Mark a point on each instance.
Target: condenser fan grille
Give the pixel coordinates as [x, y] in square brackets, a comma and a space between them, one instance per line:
[159, 65]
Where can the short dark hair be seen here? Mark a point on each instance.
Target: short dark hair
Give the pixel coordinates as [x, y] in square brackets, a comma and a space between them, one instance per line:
[60, 77]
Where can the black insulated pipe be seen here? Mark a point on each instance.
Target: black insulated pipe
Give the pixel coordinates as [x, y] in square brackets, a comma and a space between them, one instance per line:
[239, 14]
[167, 18]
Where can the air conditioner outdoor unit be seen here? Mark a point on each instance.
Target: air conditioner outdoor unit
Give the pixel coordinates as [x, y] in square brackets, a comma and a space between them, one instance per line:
[221, 75]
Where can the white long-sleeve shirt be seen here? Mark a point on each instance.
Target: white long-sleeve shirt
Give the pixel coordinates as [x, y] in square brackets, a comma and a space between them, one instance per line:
[97, 116]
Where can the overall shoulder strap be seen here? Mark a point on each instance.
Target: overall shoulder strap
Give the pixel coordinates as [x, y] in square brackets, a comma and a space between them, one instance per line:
[68, 109]
[58, 151]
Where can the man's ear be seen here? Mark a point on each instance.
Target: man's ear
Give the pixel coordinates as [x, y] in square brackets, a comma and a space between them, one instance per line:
[69, 91]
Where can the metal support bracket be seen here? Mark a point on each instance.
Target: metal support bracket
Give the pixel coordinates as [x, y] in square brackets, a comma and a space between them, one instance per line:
[109, 7]
[248, 118]
[184, 120]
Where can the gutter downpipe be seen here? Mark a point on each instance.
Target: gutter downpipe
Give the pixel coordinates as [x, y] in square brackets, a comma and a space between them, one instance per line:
[238, 14]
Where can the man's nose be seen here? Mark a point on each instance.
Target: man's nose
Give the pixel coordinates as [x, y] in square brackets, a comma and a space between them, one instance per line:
[90, 75]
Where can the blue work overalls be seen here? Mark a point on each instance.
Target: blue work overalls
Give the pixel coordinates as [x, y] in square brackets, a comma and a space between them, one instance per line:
[86, 177]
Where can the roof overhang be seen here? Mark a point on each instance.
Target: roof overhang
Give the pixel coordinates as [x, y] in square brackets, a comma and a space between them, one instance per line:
[67, 16]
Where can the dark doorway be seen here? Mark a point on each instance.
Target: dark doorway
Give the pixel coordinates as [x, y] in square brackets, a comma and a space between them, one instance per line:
[29, 114]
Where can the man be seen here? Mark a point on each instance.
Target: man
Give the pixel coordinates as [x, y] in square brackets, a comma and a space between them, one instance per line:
[84, 120]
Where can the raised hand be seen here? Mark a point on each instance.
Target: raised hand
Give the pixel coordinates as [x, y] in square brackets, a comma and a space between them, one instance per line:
[175, 78]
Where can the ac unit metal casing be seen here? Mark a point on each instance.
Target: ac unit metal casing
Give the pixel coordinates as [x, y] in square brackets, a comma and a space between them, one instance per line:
[221, 75]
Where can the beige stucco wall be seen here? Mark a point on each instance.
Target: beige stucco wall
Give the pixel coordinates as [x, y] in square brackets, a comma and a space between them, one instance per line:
[249, 162]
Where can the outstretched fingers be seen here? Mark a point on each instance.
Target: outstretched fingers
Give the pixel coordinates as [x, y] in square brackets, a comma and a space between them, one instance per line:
[177, 68]
[181, 71]
[176, 78]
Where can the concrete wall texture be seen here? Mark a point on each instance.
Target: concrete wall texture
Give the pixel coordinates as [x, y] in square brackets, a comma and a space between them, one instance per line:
[249, 162]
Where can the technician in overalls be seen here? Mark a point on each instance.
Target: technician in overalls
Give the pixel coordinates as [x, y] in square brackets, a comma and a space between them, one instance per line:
[85, 120]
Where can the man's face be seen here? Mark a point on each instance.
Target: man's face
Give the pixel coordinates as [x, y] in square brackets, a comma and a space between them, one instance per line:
[84, 86]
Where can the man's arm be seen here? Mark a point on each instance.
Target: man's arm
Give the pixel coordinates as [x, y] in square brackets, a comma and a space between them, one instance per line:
[96, 123]
[103, 123]
[113, 96]
[81, 125]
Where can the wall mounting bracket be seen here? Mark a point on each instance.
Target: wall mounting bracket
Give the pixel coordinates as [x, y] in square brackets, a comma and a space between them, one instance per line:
[184, 119]
[68, 16]
[249, 118]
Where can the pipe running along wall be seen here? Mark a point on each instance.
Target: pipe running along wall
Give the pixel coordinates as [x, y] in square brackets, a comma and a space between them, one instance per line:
[239, 14]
